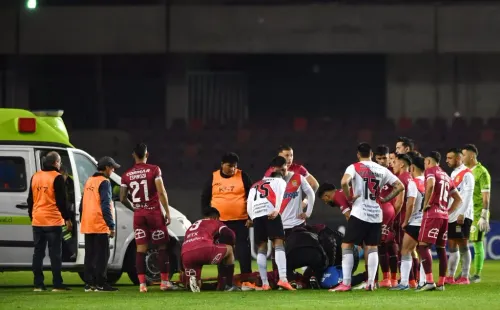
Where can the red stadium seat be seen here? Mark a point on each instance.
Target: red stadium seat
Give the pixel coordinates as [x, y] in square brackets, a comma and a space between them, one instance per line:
[300, 124]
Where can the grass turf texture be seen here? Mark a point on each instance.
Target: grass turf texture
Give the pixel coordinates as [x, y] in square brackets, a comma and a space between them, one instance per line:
[16, 293]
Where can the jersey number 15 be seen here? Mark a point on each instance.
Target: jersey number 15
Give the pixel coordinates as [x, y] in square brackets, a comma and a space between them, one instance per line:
[263, 189]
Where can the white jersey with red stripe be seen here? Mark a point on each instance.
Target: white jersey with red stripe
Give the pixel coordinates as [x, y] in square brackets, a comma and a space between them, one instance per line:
[265, 197]
[291, 207]
[368, 178]
[419, 188]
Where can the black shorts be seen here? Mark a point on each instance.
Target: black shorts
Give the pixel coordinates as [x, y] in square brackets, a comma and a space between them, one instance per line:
[360, 232]
[413, 231]
[265, 229]
[457, 231]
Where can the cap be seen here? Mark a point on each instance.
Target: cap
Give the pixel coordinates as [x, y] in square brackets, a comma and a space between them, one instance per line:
[107, 161]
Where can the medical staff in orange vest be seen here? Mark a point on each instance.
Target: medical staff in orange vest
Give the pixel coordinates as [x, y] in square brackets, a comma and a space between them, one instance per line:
[98, 225]
[227, 191]
[48, 213]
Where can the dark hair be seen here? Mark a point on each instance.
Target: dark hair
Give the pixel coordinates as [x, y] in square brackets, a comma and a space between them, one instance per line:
[381, 150]
[435, 155]
[419, 163]
[211, 212]
[230, 158]
[278, 161]
[393, 152]
[276, 174]
[284, 147]
[364, 149]
[407, 142]
[325, 187]
[455, 150]
[140, 150]
[50, 159]
[405, 158]
[471, 148]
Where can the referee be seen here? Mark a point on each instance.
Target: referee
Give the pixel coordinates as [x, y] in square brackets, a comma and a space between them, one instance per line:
[227, 190]
[98, 225]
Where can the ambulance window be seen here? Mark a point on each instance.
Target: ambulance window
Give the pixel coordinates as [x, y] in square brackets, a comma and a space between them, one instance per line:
[12, 174]
[65, 163]
[85, 168]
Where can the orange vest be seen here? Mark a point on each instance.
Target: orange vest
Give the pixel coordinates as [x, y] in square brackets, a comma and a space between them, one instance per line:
[92, 221]
[228, 196]
[45, 211]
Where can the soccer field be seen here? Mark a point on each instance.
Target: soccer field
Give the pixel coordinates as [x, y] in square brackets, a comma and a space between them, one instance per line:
[16, 293]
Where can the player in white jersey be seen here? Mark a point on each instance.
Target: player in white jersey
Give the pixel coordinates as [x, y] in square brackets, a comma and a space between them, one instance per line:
[460, 221]
[263, 204]
[415, 190]
[365, 223]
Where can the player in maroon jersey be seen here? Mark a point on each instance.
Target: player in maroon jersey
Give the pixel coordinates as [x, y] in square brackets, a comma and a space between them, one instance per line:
[335, 198]
[148, 195]
[201, 247]
[389, 247]
[404, 145]
[434, 229]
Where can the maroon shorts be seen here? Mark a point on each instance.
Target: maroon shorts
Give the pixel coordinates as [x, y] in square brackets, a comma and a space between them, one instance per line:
[150, 227]
[194, 260]
[434, 231]
[387, 234]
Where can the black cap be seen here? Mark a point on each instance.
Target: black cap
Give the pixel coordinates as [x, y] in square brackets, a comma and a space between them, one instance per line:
[107, 161]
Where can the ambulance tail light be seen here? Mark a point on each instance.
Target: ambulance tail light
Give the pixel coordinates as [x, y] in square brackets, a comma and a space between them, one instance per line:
[26, 125]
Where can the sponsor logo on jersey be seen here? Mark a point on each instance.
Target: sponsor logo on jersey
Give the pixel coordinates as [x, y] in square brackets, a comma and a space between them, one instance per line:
[291, 195]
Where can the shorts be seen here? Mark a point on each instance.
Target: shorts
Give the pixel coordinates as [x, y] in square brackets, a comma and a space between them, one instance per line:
[387, 234]
[457, 231]
[150, 227]
[434, 231]
[265, 229]
[360, 232]
[194, 260]
[413, 231]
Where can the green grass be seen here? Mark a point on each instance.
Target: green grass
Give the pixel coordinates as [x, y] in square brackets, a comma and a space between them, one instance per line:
[16, 293]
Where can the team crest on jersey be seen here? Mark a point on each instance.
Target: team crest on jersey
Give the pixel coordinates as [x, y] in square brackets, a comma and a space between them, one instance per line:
[294, 183]
[458, 179]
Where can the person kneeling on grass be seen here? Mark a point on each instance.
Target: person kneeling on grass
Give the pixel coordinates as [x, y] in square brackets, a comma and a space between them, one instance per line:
[200, 249]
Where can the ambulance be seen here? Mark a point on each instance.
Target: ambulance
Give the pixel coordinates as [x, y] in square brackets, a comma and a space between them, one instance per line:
[25, 138]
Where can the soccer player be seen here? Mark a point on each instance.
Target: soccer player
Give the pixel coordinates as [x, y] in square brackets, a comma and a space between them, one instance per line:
[460, 221]
[481, 202]
[263, 205]
[434, 228]
[392, 157]
[334, 198]
[404, 145]
[145, 185]
[413, 198]
[365, 223]
[200, 248]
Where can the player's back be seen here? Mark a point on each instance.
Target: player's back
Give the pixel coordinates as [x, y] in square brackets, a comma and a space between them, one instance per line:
[265, 195]
[140, 181]
[201, 233]
[442, 187]
[295, 168]
[368, 179]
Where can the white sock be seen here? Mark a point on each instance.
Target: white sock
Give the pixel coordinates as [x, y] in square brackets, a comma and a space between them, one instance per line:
[262, 263]
[406, 263]
[281, 262]
[453, 260]
[466, 261]
[372, 265]
[347, 264]
[421, 281]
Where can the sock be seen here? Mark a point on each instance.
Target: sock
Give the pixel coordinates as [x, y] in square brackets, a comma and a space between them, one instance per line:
[262, 263]
[372, 265]
[443, 264]
[466, 259]
[383, 258]
[229, 272]
[411, 275]
[281, 262]
[376, 272]
[140, 265]
[273, 259]
[416, 268]
[393, 250]
[221, 279]
[347, 264]
[406, 262]
[365, 273]
[387, 275]
[478, 256]
[421, 280]
[163, 264]
[425, 255]
[453, 262]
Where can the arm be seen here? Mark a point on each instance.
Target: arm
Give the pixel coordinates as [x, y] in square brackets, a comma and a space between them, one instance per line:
[162, 195]
[206, 194]
[400, 199]
[344, 183]
[227, 235]
[279, 196]
[60, 193]
[397, 187]
[410, 204]
[457, 200]
[347, 214]
[247, 183]
[105, 194]
[429, 191]
[123, 197]
[249, 203]
[311, 196]
[467, 192]
[313, 182]
[30, 200]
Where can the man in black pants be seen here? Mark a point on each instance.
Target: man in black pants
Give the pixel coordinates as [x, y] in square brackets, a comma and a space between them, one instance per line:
[98, 225]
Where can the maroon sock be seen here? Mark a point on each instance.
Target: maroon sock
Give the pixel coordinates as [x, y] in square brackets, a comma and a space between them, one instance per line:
[140, 265]
[365, 274]
[416, 268]
[426, 258]
[221, 278]
[383, 258]
[393, 258]
[229, 272]
[273, 260]
[412, 275]
[443, 261]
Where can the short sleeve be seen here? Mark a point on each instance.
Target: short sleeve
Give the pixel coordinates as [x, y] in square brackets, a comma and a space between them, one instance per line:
[157, 173]
[303, 171]
[484, 182]
[350, 171]
[429, 174]
[412, 189]
[389, 177]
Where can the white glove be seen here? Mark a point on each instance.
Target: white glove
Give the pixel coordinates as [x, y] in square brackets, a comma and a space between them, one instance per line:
[483, 224]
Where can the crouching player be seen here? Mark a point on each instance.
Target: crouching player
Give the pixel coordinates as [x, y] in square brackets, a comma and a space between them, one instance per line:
[263, 206]
[199, 248]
